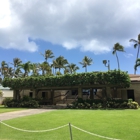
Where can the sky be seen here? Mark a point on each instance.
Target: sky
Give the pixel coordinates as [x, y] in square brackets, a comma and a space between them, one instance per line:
[70, 28]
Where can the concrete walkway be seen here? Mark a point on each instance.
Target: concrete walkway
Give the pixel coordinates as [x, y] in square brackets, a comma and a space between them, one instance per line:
[22, 113]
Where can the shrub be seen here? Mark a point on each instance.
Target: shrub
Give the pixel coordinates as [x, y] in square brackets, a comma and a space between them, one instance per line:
[1, 93]
[5, 101]
[26, 98]
[25, 102]
[133, 105]
[98, 104]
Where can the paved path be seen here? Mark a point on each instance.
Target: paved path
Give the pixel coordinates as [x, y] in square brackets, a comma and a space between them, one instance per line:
[16, 114]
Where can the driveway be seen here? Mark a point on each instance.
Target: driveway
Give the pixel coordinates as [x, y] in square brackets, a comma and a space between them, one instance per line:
[22, 113]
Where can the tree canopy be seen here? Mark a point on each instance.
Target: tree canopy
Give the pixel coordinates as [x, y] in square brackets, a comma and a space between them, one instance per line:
[114, 78]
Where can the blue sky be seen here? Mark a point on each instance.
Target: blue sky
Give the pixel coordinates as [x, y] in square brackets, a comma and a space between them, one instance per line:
[73, 29]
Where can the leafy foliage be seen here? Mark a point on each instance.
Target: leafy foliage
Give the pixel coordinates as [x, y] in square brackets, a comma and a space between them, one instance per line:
[1, 93]
[112, 78]
[26, 101]
[98, 104]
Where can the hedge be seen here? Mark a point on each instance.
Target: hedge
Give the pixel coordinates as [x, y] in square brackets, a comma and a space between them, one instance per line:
[114, 77]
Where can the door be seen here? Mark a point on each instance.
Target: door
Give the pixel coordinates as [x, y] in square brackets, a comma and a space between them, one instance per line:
[130, 94]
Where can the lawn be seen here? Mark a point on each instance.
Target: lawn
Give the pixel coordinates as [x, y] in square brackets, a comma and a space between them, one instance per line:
[6, 109]
[119, 124]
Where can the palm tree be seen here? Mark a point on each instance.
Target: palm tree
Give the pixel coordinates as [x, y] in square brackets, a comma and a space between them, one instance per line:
[16, 62]
[137, 64]
[72, 68]
[26, 67]
[61, 62]
[54, 66]
[66, 70]
[105, 63]
[10, 72]
[35, 69]
[4, 68]
[86, 62]
[48, 70]
[18, 73]
[45, 68]
[120, 48]
[137, 44]
[48, 54]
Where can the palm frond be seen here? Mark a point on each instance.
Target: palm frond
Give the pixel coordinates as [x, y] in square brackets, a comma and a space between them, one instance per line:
[133, 40]
[135, 46]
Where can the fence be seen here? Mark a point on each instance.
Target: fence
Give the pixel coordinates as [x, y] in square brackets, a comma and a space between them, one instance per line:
[53, 129]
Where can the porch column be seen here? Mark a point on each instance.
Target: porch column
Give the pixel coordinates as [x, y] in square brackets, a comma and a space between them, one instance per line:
[108, 91]
[52, 95]
[80, 93]
[14, 94]
[91, 93]
[17, 92]
[35, 93]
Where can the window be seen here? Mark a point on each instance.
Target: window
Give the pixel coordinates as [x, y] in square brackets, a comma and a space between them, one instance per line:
[94, 91]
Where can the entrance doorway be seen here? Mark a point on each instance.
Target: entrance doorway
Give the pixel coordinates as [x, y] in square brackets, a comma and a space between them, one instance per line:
[130, 94]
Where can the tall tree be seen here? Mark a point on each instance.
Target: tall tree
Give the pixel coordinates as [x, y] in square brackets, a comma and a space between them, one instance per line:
[61, 62]
[86, 62]
[18, 73]
[10, 72]
[45, 68]
[26, 67]
[107, 64]
[72, 68]
[66, 70]
[47, 54]
[137, 64]
[16, 62]
[4, 68]
[136, 45]
[54, 66]
[35, 69]
[120, 48]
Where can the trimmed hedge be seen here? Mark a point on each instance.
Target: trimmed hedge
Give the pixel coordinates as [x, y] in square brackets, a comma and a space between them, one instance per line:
[99, 104]
[114, 77]
[25, 102]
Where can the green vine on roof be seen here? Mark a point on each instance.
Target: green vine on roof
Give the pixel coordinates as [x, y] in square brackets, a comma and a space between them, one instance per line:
[114, 77]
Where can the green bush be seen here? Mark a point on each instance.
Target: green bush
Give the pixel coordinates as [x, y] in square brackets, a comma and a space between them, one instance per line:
[98, 104]
[26, 98]
[1, 93]
[6, 100]
[25, 102]
[133, 105]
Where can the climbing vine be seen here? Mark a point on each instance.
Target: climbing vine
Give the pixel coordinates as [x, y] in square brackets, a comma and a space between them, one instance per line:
[114, 77]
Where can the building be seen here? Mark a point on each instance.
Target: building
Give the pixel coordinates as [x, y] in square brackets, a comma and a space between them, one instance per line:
[67, 94]
[7, 93]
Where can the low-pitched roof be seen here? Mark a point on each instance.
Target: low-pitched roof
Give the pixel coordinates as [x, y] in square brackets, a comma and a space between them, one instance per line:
[134, 77]
[4, 88]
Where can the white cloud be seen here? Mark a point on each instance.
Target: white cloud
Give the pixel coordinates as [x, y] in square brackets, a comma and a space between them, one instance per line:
[129, 55]
[90, 25]
[5, 13]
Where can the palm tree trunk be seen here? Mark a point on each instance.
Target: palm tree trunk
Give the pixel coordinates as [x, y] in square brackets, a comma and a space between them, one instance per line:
[137, 57]
[55, 71]
[118, 61]
[42, 71]
[85, 68]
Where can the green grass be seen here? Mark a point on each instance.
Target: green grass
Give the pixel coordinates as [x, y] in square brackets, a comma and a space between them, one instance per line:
[6, 109]
[119, 124]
